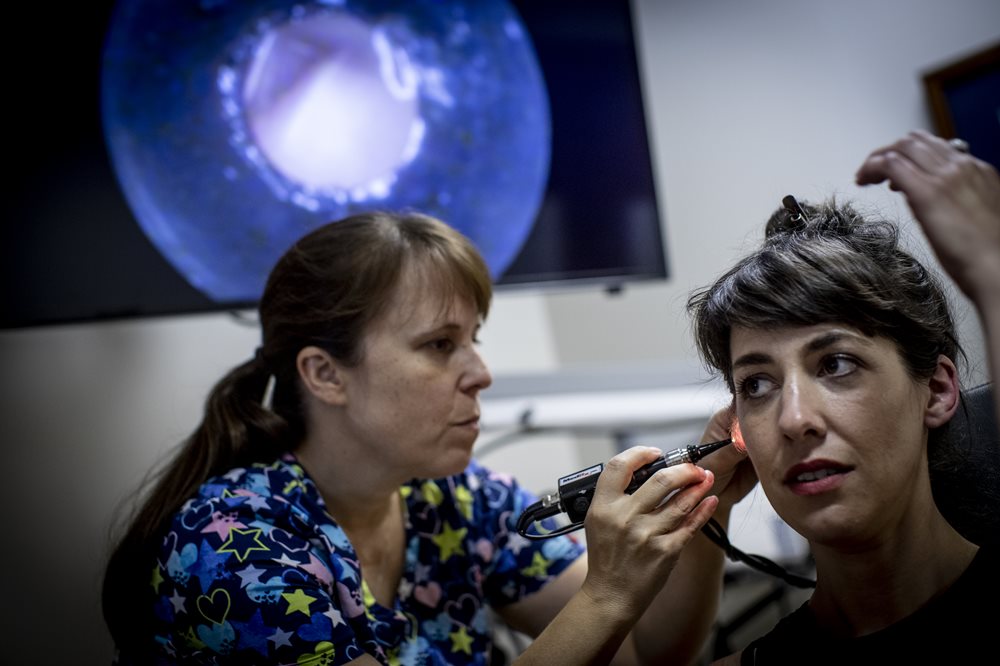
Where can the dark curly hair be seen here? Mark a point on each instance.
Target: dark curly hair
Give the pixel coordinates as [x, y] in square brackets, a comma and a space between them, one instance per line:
[826, 263]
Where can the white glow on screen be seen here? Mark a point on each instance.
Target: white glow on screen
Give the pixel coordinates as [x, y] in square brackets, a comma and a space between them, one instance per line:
[333, 105]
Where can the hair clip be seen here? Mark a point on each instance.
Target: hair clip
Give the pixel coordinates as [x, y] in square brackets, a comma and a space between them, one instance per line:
[792, 206]
[267, 400]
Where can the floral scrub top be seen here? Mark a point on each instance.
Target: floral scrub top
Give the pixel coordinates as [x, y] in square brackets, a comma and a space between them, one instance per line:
[254, 570]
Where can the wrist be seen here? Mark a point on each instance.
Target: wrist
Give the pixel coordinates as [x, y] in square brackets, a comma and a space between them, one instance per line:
[612, 604]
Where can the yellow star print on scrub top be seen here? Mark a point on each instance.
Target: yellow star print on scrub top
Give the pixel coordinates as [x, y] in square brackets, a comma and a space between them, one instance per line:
[253, 569]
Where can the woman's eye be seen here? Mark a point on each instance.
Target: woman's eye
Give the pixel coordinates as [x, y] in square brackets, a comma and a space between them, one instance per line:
[442, 345]
[753, 386]
[838, 366]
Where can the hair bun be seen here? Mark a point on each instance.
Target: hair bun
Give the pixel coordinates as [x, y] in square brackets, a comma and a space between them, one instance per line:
[791, 217]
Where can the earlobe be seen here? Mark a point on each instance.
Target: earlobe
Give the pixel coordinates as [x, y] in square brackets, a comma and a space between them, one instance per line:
[321, 375]
[944, 394]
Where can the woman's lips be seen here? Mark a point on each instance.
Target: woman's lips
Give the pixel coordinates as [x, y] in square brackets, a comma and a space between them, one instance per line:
[816, 476]
[468, 423]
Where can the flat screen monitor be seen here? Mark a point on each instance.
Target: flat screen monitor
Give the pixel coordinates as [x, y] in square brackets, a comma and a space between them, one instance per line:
[166, 153]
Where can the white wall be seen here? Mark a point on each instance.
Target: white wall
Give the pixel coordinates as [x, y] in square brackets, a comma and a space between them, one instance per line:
[747, 101]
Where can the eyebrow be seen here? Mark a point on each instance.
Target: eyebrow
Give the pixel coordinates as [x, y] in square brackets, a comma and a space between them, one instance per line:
[814, 345]
[825, 340]
[754, 358]
[442, 327]
[448, 327]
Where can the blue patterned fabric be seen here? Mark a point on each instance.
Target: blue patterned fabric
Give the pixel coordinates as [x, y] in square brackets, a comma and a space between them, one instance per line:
[254, 570]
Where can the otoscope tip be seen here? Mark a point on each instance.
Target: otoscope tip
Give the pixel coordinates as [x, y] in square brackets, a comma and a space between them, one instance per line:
[702, 450]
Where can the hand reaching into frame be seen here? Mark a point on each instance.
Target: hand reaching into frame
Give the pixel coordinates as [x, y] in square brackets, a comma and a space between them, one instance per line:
[955, 198]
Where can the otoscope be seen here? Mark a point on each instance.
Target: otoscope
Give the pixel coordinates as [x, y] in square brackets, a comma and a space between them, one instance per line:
[576, 491]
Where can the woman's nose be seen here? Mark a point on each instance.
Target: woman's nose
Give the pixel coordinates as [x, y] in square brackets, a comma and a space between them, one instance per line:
[477, 376]
[801, 412]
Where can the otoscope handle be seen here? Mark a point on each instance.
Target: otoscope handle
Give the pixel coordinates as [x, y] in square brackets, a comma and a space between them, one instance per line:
[690, 453]
[576, 490]
[675, 457]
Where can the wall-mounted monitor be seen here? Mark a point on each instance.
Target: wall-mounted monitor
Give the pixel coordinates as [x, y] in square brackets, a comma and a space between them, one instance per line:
[169, 151]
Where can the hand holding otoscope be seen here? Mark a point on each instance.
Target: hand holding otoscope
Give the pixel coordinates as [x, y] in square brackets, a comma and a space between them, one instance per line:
[576, 491]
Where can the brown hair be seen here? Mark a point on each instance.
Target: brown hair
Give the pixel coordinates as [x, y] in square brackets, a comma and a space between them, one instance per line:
[324, 291]
[824, 264]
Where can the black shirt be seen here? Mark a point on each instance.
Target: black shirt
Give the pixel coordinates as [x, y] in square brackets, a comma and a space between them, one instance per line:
[959, 626]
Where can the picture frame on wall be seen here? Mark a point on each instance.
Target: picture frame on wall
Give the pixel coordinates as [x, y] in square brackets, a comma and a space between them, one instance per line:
[964, 99]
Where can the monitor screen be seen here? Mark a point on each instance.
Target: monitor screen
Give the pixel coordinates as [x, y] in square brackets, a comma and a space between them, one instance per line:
[166, 153]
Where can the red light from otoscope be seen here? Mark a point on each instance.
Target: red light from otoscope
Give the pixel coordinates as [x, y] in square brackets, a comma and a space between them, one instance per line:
[737, 436]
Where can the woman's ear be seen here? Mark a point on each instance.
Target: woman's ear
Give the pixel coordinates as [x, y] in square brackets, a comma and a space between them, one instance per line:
[943, 399]
[321, 375]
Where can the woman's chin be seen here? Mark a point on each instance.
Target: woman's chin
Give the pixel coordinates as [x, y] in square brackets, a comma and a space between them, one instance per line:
[453, 462]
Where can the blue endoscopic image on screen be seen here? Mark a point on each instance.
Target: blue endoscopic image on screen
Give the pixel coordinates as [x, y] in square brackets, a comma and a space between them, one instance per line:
[168, 151]
[235, 127]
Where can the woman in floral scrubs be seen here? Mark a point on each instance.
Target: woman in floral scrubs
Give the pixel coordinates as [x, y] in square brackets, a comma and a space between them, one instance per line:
[327, 509]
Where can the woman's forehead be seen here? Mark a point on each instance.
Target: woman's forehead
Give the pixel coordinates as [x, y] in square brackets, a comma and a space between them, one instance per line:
[816, 336]
[427, 294]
